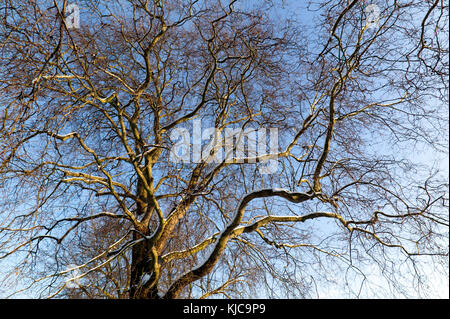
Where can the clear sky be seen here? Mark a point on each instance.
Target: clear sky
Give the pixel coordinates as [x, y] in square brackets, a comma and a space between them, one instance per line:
[439, 285]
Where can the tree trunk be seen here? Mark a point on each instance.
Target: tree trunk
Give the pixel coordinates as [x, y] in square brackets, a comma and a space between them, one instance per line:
[142, 272]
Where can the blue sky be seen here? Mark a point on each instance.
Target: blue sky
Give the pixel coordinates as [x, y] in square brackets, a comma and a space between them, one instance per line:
[419, 154]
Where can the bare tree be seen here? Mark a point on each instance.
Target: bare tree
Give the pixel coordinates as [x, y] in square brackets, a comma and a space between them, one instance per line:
[94, 115]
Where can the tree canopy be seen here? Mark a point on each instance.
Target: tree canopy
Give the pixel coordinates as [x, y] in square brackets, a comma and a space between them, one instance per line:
[186, 148]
